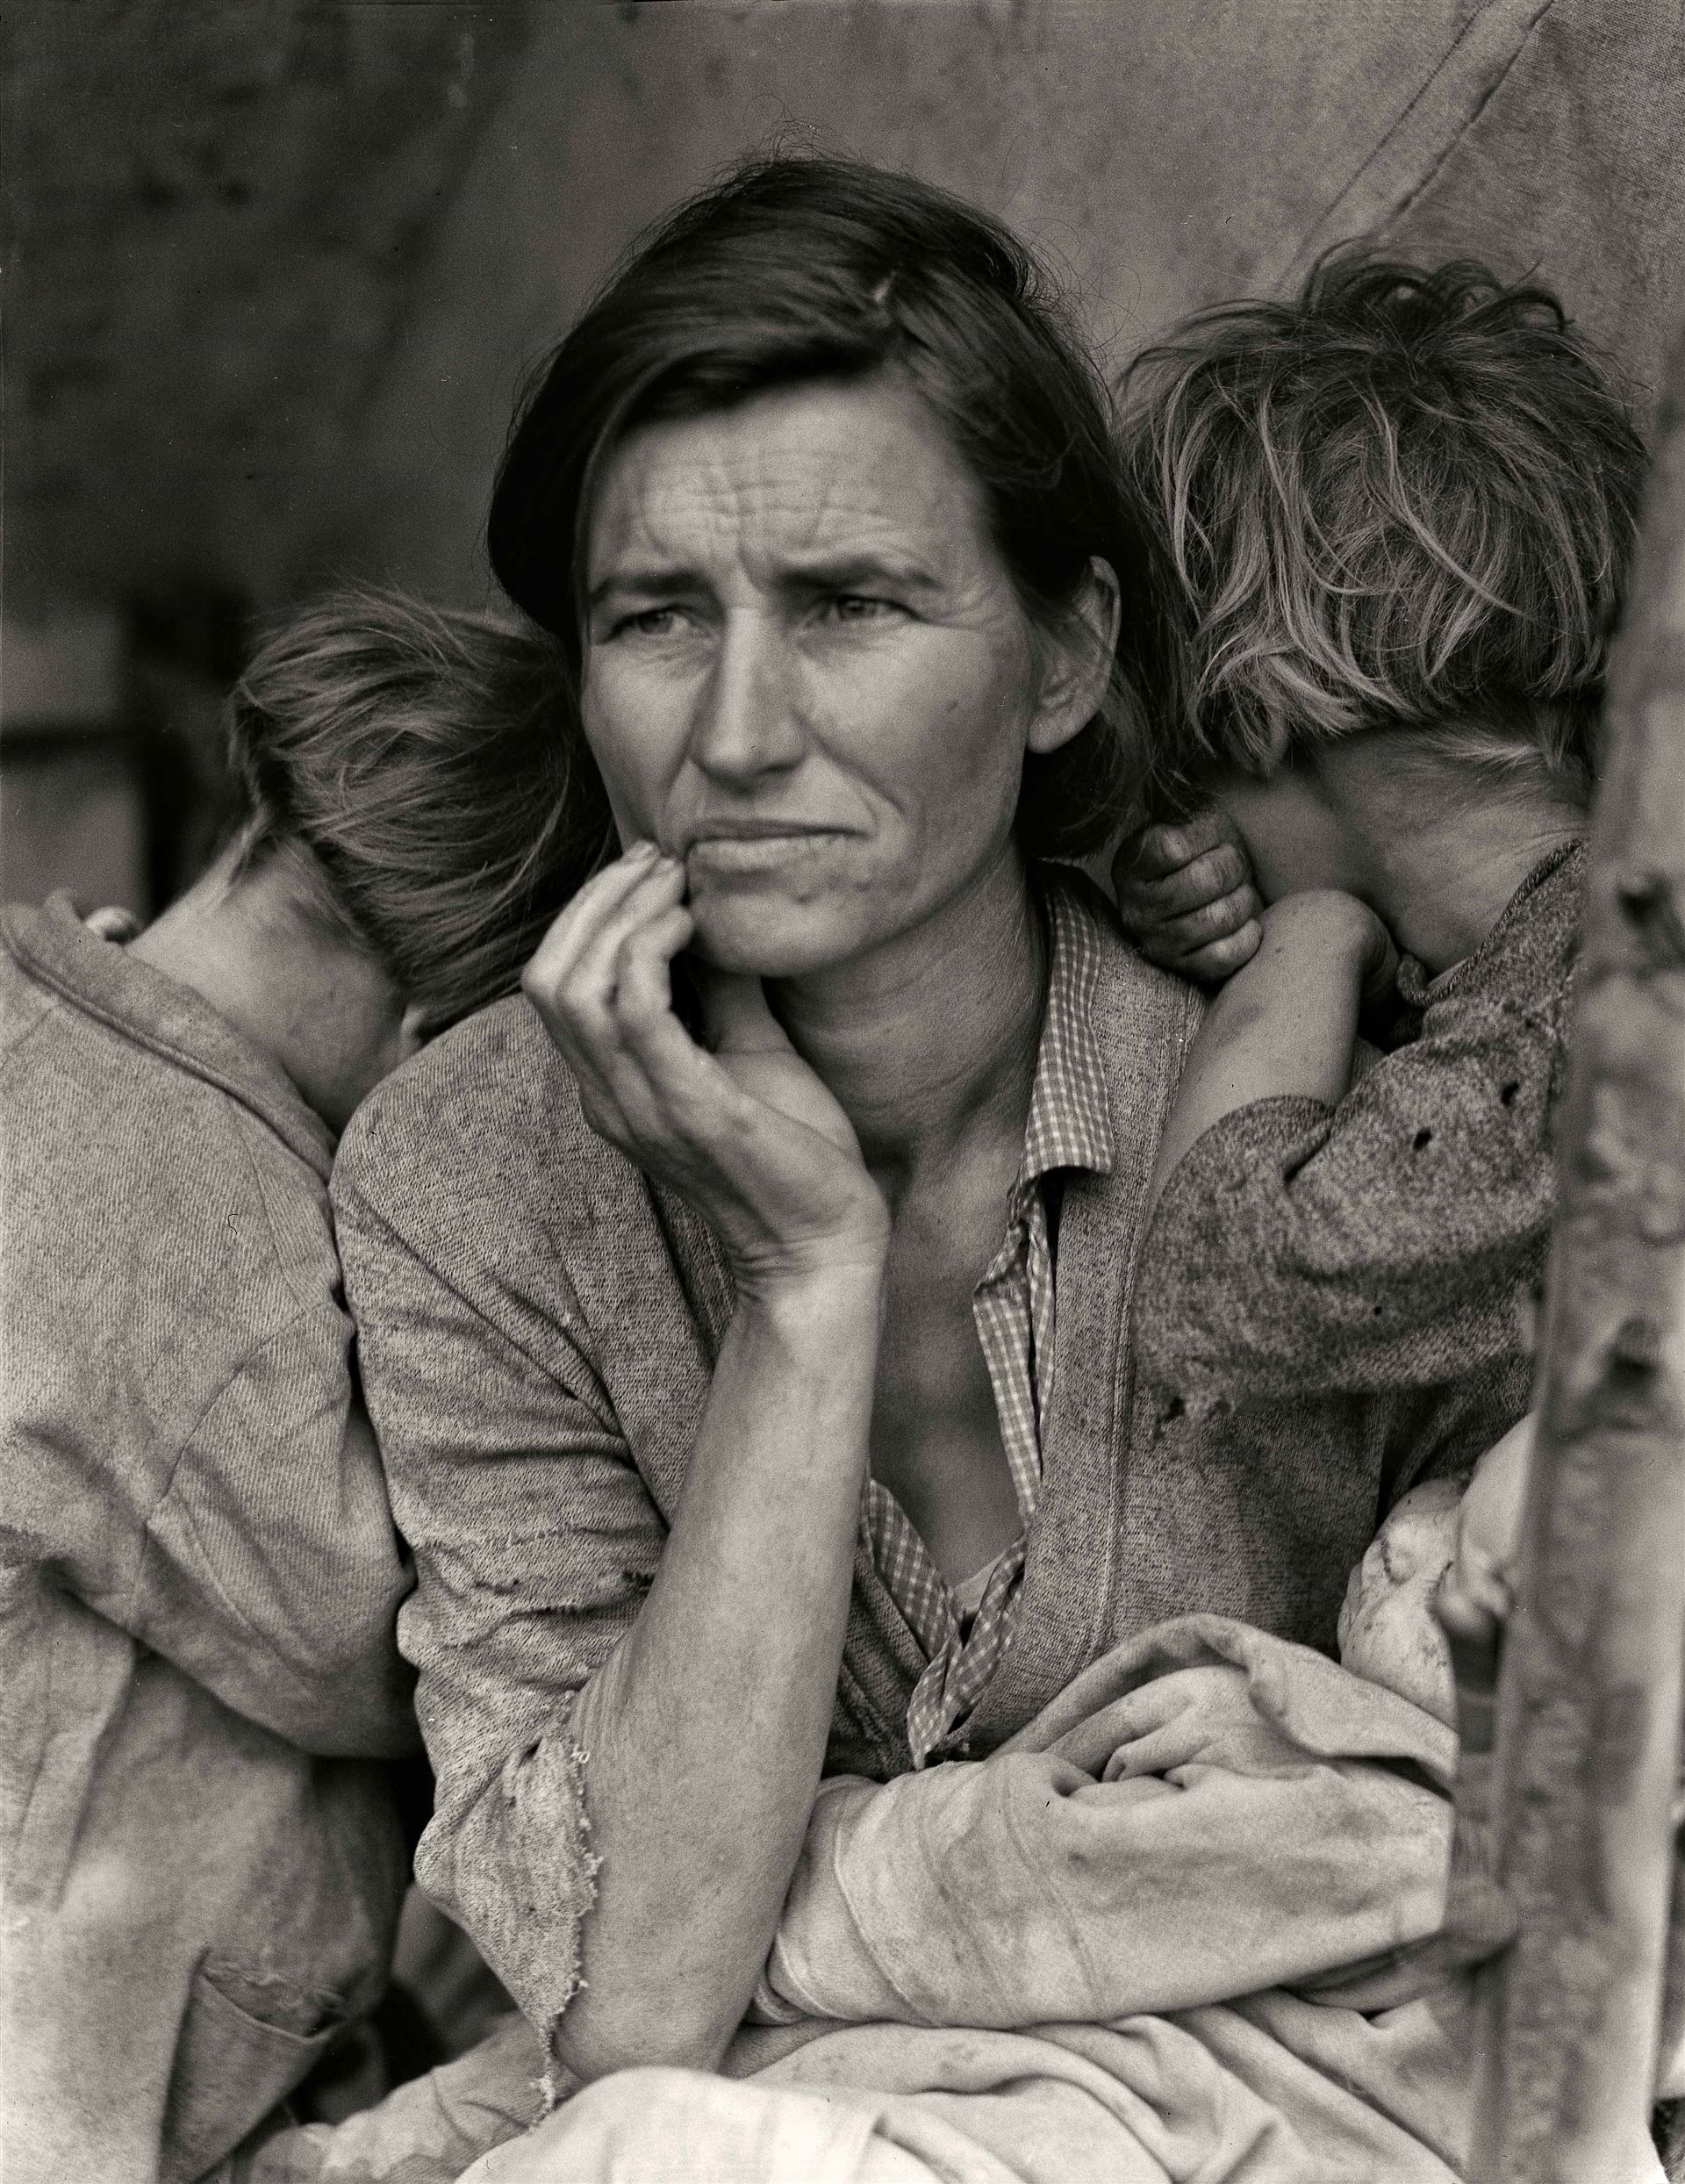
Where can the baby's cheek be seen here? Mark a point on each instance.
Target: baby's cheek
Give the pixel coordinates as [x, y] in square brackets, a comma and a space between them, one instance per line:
[1394, 1639]
[1364, 1589]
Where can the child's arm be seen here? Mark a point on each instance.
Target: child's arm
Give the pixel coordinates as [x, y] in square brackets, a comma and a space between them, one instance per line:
[272, 1573]
[1383, 1240]
[1286, 1024]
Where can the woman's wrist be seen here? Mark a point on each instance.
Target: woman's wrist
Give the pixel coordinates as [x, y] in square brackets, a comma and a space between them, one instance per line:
[818, 1293]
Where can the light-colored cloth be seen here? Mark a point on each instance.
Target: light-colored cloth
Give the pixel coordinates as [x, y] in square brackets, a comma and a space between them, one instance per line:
[202, 1858]
[1196, 1817]
[1169, 1932]
[427, 2132]
[1205, 1810]
[1014, 1306]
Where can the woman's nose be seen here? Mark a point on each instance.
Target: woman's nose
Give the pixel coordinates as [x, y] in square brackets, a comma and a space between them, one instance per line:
[747, 718]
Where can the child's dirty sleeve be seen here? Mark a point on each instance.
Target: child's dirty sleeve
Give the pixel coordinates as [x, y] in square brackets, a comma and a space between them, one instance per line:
[1391, 1243]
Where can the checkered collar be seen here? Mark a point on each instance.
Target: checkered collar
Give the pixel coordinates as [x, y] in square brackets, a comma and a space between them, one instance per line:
[1070, 1121]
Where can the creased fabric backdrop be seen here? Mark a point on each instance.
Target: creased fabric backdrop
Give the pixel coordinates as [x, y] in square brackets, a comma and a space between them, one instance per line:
[282, 268]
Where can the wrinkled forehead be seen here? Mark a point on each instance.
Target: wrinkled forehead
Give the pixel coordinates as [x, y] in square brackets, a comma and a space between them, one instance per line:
[817, 473]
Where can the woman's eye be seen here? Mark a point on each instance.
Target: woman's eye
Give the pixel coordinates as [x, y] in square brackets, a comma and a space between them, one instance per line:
[857, 607]
[647, 621]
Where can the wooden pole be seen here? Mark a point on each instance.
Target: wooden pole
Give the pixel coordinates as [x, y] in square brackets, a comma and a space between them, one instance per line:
[1589, 1713]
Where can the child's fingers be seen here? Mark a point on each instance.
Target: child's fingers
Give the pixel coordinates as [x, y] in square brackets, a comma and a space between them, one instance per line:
[1208, 878]
[1474, 1635]
[1220, 959]
[1155, 851]
[1176, 938]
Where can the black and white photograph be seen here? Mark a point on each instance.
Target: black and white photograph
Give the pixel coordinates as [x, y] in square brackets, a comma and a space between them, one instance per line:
[842, 1092]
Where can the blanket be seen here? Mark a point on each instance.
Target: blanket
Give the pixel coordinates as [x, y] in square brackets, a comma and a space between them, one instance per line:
[1172, 1931]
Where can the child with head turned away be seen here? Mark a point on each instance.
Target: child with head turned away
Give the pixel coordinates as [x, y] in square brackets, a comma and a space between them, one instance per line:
[1400, 509]
[200, 1690]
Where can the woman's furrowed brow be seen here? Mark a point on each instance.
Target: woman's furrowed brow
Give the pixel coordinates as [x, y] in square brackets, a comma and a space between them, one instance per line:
[858, 572]
[796, 572]
[645, 579]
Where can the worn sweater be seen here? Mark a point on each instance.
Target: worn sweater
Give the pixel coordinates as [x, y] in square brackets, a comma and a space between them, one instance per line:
[1378, 1261]
[537, 1326]
[199, 1582]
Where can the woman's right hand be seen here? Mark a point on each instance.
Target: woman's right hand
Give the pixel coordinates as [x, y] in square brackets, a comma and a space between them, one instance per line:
[747, 1132]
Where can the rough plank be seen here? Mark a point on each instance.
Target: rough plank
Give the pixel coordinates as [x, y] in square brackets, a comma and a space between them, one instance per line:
[1589, 1694]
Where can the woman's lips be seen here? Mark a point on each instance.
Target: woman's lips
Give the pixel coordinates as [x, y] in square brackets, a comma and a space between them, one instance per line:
[759, 851]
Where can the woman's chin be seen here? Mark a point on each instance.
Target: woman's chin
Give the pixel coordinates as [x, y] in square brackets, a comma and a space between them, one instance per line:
[772, 936]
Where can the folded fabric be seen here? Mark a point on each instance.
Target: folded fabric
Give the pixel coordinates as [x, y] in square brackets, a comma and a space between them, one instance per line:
[426, 2132]
[1206, 1812]
[1170, 1935]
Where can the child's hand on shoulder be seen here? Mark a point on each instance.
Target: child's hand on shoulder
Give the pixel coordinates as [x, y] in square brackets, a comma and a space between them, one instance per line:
[1185, 897]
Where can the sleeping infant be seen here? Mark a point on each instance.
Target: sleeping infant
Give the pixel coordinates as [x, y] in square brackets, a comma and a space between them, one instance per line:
[1447, 1547]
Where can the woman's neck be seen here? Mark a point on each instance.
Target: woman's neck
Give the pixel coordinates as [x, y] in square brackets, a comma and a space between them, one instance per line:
[930, 1042]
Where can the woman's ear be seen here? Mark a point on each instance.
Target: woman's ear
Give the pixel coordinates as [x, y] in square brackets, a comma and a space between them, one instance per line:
[1076, 663]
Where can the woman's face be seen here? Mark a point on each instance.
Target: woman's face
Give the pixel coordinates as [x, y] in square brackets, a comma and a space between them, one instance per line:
[806, 671]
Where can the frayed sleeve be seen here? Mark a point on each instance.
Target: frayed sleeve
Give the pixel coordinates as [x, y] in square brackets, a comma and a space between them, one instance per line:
[535, 1541]
[1385, 1244]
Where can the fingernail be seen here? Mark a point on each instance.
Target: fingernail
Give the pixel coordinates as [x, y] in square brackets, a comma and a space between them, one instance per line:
[644, 850]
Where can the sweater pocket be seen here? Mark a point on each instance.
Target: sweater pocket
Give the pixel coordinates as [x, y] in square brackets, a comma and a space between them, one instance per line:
[231, 2068]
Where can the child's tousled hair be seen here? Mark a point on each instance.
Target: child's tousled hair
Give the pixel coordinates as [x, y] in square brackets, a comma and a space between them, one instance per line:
[428, 763]
[1407, 499]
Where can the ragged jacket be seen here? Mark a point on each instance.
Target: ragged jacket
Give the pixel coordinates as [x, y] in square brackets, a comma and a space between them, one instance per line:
[1383, 1255]
[201, 1855]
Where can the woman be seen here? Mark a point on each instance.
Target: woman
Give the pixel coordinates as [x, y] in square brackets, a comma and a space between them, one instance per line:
[757, 1405]
[198, 1682]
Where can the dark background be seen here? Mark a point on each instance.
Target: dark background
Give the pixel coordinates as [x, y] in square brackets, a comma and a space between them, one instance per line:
[276, 270]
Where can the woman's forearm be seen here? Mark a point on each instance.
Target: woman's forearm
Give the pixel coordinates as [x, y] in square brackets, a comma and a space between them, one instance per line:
[705, 1732]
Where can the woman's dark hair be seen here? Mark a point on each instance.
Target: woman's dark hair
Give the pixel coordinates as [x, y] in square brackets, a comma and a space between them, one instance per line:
[423, 767]
[809, 268]
[1405, 499]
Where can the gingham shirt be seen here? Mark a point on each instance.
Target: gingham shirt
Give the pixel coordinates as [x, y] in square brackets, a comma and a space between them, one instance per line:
[1013, 1305]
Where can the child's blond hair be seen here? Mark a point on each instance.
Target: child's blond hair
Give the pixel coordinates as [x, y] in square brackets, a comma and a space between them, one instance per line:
[1406, 498]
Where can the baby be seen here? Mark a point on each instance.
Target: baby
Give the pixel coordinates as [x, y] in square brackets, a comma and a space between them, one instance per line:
[1400, 509]
[1445, 1555]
